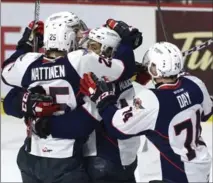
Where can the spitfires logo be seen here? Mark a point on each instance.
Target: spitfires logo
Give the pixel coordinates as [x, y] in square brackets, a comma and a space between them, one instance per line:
[45, 149]
[138, 103]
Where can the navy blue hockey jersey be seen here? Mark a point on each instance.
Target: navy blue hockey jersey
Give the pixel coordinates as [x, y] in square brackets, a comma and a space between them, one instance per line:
[170, 118]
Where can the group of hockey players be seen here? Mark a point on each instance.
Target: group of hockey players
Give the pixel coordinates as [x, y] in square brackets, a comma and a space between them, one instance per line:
[84, 117]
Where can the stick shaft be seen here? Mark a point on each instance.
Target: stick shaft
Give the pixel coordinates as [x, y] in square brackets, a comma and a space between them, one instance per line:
[28, 141]
[198, 47]
[161, 20]
[36, 19]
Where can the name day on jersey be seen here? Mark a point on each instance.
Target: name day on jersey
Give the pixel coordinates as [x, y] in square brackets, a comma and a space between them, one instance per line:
[46, 73]
[184, 99]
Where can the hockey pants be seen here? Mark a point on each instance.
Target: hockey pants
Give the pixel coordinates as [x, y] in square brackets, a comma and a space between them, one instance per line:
[104, 171]
[36, 169]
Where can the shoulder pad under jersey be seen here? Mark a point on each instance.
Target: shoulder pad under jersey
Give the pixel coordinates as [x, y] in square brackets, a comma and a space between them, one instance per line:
[84, 62]
[13, 73]
[196, 80]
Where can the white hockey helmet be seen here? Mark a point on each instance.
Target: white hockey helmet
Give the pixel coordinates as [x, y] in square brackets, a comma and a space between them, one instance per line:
[59, 34]
[74, 21]
[109, 39]
[64, 16]
[167, 59]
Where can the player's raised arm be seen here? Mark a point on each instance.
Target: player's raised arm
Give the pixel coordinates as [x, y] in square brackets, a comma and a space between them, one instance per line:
[131, 39]
[12, 72]
[25, 44]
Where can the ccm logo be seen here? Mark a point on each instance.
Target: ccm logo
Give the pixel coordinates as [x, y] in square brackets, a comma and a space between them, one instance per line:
[24, 102]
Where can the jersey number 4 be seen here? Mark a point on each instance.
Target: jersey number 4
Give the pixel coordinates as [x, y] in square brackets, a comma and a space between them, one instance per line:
[188, 126]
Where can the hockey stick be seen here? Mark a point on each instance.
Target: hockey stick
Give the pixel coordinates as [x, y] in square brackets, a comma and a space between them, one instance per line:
[190, 51]
[29, 120]
[161, 20]
[36, 19]
[198, 47]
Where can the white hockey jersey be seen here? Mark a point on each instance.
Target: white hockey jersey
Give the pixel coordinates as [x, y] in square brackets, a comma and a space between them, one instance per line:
[61, 78]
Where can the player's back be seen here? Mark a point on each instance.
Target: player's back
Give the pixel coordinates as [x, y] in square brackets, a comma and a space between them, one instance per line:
[58, 79]
[177, 132]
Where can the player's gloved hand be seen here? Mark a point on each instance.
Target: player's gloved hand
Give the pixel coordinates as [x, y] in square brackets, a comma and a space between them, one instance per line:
[35, 104]
[142, 75]
[128, 34]
[140, 68]
[98, 91]
[33, 29]
[135, 38]
[42, 127]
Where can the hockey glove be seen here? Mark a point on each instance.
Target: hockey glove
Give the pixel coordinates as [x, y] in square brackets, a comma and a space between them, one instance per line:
[35, 104]
[127, 33]
[142, 75]
[98, 91]
[42, 127]
[33, 29]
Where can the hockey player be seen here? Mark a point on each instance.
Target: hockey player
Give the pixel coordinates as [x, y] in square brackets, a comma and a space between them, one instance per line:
[169, 115]
[108, 159]
[57, 76]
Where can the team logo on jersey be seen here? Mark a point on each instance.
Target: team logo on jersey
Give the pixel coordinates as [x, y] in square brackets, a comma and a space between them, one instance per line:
[45, 149]
[138, 103]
